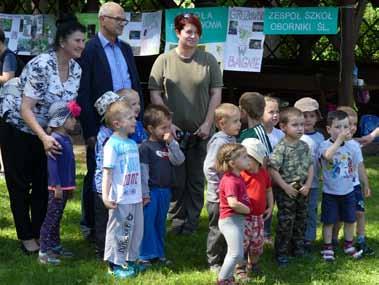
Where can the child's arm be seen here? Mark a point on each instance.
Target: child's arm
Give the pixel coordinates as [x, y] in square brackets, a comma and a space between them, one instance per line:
[369, 138]
[270, 204]
[330, 151]
[304, 190]
[238, 206]
[106, 186]
[290, 191]
[175, 155]
[145, 183]
[364, 179]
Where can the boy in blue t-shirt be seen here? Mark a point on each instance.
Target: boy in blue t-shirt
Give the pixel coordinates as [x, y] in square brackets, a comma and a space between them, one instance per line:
[122, 193]
[101, 105]
[338, 159]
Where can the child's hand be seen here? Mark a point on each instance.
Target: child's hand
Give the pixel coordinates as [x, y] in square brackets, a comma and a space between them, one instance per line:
[145, 201]
[109, 204]
[168, 137]
[290, 191]
[267, 214]
[344, 135]
[58, 194]
[304, 190]
[367, 192]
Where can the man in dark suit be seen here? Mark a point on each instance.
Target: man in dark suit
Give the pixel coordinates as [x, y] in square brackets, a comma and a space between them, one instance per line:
[107, 65]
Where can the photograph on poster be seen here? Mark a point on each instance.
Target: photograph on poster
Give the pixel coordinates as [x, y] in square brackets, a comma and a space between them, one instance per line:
[135, 17]
[233, 26]
[255, 44]
[6, 24]
[258, 27]
[135, 35]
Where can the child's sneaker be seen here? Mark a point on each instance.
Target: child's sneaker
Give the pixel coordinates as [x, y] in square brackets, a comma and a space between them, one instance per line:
[137, 267]
[241, 275]
[121, 272]
[353, 252]
[48, 258]
[62, 252]
[367, 251]
[328, 255]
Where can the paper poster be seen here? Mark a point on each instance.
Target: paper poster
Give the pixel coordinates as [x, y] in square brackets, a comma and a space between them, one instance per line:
[143, 32]
[245, 40]
[213, 26]
[28, 34]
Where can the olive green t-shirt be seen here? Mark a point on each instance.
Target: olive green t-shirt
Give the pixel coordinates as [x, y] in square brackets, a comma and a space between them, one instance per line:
[186, 84]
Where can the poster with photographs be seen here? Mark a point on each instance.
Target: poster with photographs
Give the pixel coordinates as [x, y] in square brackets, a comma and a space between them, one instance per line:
[245, 40]
[28, 34]
[143, 32]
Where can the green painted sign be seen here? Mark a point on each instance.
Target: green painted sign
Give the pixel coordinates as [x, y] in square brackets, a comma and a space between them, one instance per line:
[300, 21]
[213, 22]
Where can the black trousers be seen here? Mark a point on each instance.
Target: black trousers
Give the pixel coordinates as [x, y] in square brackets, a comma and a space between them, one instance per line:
[88, 204]
[25, 169]
[101, 220]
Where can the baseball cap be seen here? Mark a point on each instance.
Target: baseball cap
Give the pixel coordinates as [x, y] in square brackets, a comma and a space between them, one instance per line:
[255, 149]
[307, 104]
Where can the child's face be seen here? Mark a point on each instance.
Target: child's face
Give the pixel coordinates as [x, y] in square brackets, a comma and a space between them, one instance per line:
[294, 128]
[271, 114]
[157, 133]
[353, 121]
[242, 162]
[70, 123]
[126, 124]
[253, 164]
[133, 100]
[338, 127]
[310, 120]
[232, 125]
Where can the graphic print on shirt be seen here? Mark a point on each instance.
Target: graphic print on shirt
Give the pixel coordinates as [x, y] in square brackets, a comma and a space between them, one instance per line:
[162, 153]
[341, 166]
[131, 175]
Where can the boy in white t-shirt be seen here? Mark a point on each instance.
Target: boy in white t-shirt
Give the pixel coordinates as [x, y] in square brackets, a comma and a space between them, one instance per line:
[270, 119]
[338, 157]
[122, 193]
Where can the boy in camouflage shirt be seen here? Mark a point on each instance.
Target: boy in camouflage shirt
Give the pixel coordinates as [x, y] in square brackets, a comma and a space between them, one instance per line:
[292, 170]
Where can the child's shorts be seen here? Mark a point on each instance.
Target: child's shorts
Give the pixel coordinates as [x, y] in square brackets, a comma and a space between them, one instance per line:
[254, 235]
[336, 208]
[360, 201]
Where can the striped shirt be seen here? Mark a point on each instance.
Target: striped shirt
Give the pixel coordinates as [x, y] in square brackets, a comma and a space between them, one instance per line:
[259, 133]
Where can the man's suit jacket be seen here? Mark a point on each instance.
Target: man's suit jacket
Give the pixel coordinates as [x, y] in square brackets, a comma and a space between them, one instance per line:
[97, 79]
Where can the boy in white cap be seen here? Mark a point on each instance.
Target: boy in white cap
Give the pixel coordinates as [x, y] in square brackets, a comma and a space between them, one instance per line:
[61, 181]
[258, 187]
[310, 109]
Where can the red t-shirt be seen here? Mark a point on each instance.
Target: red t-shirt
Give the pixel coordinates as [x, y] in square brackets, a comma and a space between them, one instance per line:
[257, 185]
[231, 185]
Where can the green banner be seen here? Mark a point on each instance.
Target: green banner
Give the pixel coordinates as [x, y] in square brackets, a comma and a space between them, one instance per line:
[300, 21]
[213, 21]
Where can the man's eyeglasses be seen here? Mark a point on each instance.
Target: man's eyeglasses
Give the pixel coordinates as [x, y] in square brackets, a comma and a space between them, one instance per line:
[117, 19]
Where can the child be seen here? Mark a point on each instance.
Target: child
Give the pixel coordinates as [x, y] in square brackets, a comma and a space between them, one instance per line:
[292, 170]
[360, 175]
[252, 105]
[270, 119]
[227, 120]
[338, 157]
[313, 138]
[158, 155]
[61, 170]
[234, 205]
[101, 105]
[259, 190]
[121, 193]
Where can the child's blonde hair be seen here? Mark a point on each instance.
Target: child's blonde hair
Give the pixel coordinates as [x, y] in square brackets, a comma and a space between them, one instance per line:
[224, 112]
[126, 92]
[227, 153]
[348, 110]
[115, 112]
[272, 99]
[253, 103]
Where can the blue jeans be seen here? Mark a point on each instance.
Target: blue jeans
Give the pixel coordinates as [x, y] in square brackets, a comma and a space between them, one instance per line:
[310, 232]
[154, 232]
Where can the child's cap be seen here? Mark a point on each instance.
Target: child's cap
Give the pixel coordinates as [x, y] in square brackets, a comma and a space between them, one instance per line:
[103, 102]
[59, 112]
[255, 149]
[307, 104]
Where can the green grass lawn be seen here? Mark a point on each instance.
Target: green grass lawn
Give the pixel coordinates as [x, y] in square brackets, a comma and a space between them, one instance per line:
[187, 253]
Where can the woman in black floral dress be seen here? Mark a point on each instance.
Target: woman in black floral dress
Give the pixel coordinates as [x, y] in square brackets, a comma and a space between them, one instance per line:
[47, 78]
